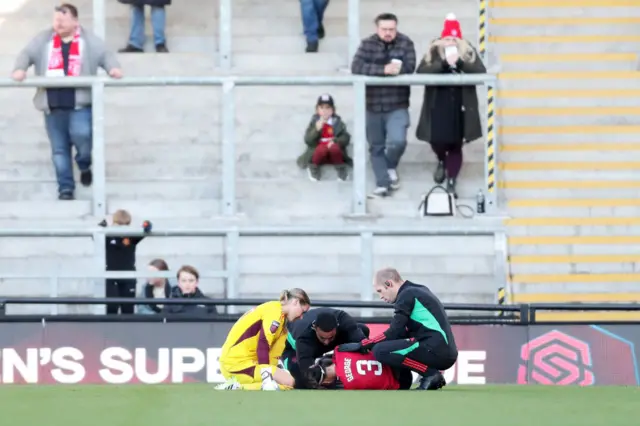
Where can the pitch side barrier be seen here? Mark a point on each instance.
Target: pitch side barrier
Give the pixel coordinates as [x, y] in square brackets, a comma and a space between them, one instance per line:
[153, 349]
[519, 314]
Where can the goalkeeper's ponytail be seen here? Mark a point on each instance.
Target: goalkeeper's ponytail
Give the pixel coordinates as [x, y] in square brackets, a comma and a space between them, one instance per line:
[295, 293]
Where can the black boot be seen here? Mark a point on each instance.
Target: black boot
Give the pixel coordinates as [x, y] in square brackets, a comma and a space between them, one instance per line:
[312, 47]
[451, 187]
[438, 176]
[432, 381]
[321, 32]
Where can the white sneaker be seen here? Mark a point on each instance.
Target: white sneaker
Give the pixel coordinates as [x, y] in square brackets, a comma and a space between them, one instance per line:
[379, 192]
[395, 180]
[231, 384]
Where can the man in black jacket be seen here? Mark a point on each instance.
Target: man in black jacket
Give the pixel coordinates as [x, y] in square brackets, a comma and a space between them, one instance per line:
[419, 338]
[318, 332]
[386, 54]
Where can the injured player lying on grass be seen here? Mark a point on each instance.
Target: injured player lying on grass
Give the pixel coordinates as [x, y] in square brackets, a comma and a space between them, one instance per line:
[356, 371]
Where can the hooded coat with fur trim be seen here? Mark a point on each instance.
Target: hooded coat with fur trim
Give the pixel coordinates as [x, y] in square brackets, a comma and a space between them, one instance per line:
[434, 62]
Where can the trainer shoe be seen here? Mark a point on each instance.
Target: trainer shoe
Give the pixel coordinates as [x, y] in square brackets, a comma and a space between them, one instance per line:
[379, 192]
[433, 381]
[393, 177]
[230, 384]
[313, 172]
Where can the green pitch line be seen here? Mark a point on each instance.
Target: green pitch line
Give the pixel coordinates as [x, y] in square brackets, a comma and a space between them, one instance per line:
[200, 405]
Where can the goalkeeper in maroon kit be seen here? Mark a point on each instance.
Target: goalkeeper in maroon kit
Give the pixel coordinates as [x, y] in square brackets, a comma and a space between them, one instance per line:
[356, 371]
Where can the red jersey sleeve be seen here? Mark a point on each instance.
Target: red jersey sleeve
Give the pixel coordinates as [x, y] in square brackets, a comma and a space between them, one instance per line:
[359, 371]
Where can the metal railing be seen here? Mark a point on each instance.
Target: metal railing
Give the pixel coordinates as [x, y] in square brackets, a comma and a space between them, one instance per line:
[518, 314]
[359, 205]
[232, 236]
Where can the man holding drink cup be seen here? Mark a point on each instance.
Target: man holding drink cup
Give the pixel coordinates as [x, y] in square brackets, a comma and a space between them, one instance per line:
[386, 53]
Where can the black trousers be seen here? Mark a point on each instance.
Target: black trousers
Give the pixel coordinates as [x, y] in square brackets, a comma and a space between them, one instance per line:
[415, 356]
[120, 288]
[290, 361]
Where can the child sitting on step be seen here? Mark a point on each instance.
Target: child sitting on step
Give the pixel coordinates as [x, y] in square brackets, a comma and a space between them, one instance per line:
[326, 138]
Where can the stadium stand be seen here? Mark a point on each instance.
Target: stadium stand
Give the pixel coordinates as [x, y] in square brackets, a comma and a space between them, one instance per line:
[163, 157]
[570, 152]
[568, 130]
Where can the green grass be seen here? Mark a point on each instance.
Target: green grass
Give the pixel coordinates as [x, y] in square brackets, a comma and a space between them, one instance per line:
[199, 405]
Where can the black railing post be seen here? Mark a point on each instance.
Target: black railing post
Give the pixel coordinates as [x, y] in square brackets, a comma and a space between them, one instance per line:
[524, 314]
[532, 314]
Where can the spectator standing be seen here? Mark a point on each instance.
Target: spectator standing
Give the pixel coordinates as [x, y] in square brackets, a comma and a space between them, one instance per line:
[121, 256]
[312, 17]
[450, 116]
[67, 50]
[327, 139]
[158, 23]
[155, 288]
[187, 288]
[386, 54]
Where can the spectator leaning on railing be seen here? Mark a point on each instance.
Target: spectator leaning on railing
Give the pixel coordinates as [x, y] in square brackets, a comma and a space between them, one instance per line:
[450, 116]
[67, 50]
[187, 288]
[385, 54]
[155, 288]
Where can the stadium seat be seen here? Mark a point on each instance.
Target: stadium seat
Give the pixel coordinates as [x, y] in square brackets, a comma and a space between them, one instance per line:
[570, 127]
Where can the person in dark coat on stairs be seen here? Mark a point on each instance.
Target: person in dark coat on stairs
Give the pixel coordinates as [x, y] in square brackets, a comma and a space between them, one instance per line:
[158, 22]
[449, 117]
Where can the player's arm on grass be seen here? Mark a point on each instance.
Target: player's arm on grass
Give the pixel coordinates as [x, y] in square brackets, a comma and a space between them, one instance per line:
[269, 331]
[398, 327]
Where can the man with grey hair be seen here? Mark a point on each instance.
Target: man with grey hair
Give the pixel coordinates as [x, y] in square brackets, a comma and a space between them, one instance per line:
[67, 50]
[419, 337]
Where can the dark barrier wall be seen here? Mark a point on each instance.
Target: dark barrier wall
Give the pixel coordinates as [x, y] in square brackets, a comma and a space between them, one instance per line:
[120, 353]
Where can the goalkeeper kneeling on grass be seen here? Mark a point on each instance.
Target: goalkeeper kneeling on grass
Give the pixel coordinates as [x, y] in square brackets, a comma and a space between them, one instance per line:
[251, 351]
[419, 338]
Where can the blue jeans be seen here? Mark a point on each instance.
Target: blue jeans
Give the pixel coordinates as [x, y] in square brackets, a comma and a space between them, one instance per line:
[67, 128]
[312, 14]
[158, 21]
[387, 137]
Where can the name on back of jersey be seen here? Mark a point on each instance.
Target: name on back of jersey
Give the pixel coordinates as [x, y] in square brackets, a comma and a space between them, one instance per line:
[347, 369]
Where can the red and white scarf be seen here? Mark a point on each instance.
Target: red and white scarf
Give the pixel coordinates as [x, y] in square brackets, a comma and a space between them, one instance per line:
[56, 62]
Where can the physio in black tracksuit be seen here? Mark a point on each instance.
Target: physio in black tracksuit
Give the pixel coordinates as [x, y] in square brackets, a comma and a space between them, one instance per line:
[121, 256]
[419, 337]
[318, 332]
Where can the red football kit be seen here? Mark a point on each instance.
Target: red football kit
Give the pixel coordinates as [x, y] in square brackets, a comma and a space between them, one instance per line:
[358, 371]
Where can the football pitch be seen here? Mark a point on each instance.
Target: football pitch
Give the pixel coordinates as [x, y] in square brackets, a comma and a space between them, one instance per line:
[199, 405]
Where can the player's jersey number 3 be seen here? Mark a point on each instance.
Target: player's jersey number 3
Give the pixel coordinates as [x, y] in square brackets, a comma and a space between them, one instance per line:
[365, 366]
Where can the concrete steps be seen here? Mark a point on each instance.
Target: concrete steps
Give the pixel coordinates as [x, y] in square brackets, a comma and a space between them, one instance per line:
[570, 149]
[163, 156]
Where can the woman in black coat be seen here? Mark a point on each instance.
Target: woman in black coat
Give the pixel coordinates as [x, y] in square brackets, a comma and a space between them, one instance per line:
[450, 116]
[158, 22]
